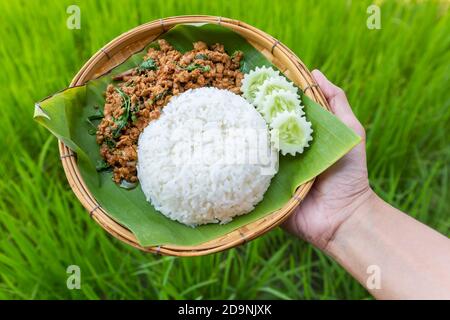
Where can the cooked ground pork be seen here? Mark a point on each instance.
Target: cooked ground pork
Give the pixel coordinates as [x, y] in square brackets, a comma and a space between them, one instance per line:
[140, 93]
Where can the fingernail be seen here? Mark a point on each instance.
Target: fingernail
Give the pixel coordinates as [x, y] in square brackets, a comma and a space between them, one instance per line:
[317, 71]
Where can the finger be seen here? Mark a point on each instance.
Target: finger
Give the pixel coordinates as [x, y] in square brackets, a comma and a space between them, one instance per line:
[334, 95]
[338, 101]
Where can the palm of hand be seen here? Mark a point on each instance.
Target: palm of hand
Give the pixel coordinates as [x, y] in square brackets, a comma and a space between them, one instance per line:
[333, 198]
[337, 192]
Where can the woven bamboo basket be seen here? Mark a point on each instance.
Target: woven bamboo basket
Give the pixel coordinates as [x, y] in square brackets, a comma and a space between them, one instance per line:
[120, 49]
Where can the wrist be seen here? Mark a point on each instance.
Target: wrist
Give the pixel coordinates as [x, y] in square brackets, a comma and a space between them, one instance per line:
[358, 211]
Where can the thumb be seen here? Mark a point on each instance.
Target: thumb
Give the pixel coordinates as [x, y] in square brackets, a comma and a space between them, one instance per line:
[338, 102]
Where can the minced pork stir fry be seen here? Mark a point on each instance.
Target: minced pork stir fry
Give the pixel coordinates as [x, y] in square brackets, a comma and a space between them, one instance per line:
[139, 94]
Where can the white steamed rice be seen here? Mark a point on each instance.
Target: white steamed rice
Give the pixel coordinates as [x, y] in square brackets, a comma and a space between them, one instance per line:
[197, 164]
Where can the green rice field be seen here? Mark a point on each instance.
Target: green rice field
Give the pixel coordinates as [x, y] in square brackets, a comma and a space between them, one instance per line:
[397, 79]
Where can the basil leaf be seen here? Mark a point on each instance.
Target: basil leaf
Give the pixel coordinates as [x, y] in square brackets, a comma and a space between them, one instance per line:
[148, 64]
[102, 165]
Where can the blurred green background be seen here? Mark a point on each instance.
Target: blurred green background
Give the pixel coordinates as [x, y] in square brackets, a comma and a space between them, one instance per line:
[397, 81]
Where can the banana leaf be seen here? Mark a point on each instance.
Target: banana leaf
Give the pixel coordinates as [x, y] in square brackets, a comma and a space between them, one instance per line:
[65, 115]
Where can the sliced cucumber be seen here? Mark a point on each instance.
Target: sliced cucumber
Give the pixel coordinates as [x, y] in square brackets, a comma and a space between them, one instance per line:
[270, 85]
[290, 133]
[254, 79]
[279, 101]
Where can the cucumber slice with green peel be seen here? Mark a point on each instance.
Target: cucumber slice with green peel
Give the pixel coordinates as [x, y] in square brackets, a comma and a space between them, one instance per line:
[279, 101]
[290, 133]
[271, 85]
[254, 79]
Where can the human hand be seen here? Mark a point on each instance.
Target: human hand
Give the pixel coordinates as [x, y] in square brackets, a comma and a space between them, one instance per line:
[343, 216]
[340, 190]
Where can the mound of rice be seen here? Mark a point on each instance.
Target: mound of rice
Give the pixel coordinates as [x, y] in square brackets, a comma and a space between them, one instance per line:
[207, 158]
